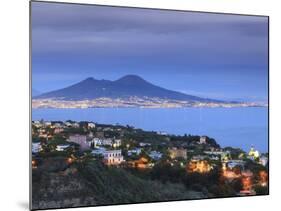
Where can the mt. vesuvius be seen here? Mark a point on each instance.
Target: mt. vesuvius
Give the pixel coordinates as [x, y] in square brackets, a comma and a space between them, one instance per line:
[125, 87]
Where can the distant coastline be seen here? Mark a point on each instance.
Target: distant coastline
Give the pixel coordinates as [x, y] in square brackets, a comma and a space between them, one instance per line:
[240, 126]
[136, 102]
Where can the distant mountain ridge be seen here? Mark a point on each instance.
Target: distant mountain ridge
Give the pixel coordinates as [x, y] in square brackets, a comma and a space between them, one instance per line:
[125, 87]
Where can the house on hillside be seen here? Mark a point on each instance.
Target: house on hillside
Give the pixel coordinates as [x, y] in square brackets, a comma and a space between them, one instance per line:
[200, 166]
[62, 147]
[100, 151]
[81, 140]
[177, 153]
[36, 147]
[235, 163]
[142, 144]
[203, 140]
[113, 157]
[117, 143]
[141, 163]
[47, 124]
[135, 151]
[155, 155]
[102, 142]
[263, 160]
[91, 125]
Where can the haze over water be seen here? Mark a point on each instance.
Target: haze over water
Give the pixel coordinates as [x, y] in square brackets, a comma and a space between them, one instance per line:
[235, 127]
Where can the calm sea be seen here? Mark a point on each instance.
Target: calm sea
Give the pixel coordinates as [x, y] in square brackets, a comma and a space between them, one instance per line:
[236, 127]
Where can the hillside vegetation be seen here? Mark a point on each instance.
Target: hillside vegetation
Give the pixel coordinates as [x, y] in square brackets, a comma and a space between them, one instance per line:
[92, 183]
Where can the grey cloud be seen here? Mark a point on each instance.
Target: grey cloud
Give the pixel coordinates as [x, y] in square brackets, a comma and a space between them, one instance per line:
[67, 17]
[151, 36]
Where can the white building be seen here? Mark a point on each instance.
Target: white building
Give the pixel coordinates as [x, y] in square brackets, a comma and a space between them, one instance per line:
[91, 125]
[107, 142]
[36, 147]
[199, 157]
[113, 157]
[75, 124]
[135, 151]
[47, 123]
[142, 144]
[62, 147]
[102, 142]
[214, 152]
[214, 157]
[162, 133]
[233, 163]
[155, 155]
[37, 124]
[203, 140]
[70, 124]
[263, 160]
[99, 151]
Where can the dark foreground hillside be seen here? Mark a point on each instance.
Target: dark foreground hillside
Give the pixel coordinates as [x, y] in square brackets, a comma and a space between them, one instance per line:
[92, 183]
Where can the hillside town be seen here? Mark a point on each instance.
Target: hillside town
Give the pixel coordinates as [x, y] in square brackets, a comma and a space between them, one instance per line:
[150, 152]
[136, 102]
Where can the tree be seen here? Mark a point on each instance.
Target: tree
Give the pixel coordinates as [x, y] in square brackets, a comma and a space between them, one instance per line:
[237, 184]
[261, 190]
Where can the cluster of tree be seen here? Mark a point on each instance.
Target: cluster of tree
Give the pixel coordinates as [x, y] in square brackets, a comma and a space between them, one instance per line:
[193, 140]
[145, 136]
[104, 185]
[211, 183]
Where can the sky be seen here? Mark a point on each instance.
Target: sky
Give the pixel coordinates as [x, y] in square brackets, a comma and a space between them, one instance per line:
[205, 54]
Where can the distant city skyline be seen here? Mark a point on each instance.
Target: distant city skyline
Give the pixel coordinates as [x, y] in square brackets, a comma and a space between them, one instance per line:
[208, 55]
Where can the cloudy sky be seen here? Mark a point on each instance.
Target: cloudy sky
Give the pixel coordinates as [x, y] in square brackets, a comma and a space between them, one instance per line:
[209, 55]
